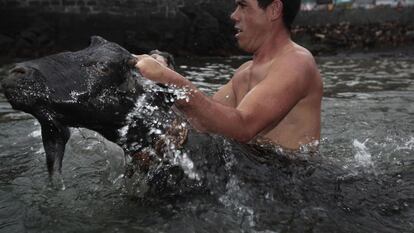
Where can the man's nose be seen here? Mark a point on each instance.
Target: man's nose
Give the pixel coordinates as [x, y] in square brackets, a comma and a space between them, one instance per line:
[234, 16]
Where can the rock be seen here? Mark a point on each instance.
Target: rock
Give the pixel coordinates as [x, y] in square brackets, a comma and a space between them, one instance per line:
[378, 33]
[320, 36]
[410, 35]
[5, 41]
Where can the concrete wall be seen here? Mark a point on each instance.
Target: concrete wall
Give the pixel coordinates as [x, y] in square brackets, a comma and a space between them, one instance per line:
[39, 27]
[357, 16]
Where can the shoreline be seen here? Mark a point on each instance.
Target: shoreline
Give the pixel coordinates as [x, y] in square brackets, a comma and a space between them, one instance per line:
[392, 51]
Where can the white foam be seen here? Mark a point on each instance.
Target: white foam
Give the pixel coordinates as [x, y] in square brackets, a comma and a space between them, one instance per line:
[186, 164]
[408, 145]
[362, 156]
[36, 134]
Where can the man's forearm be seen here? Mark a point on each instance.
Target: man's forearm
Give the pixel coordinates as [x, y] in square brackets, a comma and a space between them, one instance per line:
[207, 115]
[204, 113]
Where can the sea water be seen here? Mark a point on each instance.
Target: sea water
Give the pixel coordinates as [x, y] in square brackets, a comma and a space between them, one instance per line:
[367, 133]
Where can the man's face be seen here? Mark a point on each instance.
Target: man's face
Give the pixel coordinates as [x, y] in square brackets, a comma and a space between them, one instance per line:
[251, 23]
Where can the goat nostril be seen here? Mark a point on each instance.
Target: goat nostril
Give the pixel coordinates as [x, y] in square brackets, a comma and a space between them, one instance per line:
[18, 70]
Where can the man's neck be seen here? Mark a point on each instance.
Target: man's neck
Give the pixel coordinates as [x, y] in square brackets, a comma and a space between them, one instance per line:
[273, 45]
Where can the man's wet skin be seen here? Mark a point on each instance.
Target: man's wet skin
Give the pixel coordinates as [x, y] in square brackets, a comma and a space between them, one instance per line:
[277, 95]
[301, 124]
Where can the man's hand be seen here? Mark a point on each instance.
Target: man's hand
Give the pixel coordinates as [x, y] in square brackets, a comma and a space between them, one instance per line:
[155, 68]
[152, 67]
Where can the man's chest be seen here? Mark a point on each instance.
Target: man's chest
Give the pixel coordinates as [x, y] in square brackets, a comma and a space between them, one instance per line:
[245, 80]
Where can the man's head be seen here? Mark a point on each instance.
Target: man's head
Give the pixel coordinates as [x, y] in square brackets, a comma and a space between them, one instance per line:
[258, 21]
[290, 9]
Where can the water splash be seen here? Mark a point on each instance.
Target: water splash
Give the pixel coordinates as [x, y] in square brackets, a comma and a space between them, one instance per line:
[234, 199]
[228, 156]
[408, 145]
[182, 159]
[136, 111]
[156, 120]
[57, 182]
[235, 196]
[362, 156]
[36, 133]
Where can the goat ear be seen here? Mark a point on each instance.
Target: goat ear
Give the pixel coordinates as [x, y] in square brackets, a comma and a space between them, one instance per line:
[97, 40]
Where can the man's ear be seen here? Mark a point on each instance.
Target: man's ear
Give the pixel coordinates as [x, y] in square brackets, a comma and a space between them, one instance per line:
[276, 9]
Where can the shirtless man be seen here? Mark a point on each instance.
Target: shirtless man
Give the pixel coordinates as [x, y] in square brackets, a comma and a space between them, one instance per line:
[276, 95]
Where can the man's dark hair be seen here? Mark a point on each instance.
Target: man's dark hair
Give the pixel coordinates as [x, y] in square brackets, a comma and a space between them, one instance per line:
[290, 10]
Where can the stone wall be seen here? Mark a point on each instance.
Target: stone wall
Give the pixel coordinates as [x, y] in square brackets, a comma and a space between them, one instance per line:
[117, 7]
[356, 29]
[31, 28]
[179, 26]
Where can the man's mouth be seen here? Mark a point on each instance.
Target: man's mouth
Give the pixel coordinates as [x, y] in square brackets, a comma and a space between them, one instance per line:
[238, 31]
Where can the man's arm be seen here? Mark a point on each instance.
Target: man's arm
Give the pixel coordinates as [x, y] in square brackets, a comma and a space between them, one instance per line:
[267, 103]
[226, 95]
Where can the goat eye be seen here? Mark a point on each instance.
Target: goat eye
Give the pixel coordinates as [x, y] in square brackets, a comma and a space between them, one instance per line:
[102, 68]
[105, 69]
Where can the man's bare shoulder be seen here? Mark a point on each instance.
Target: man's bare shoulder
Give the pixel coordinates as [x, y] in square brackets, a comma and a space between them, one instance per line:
[243, 66]
[297, 61]
[301, 57]
[305, 64]
[308, 61]
[297, 68]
